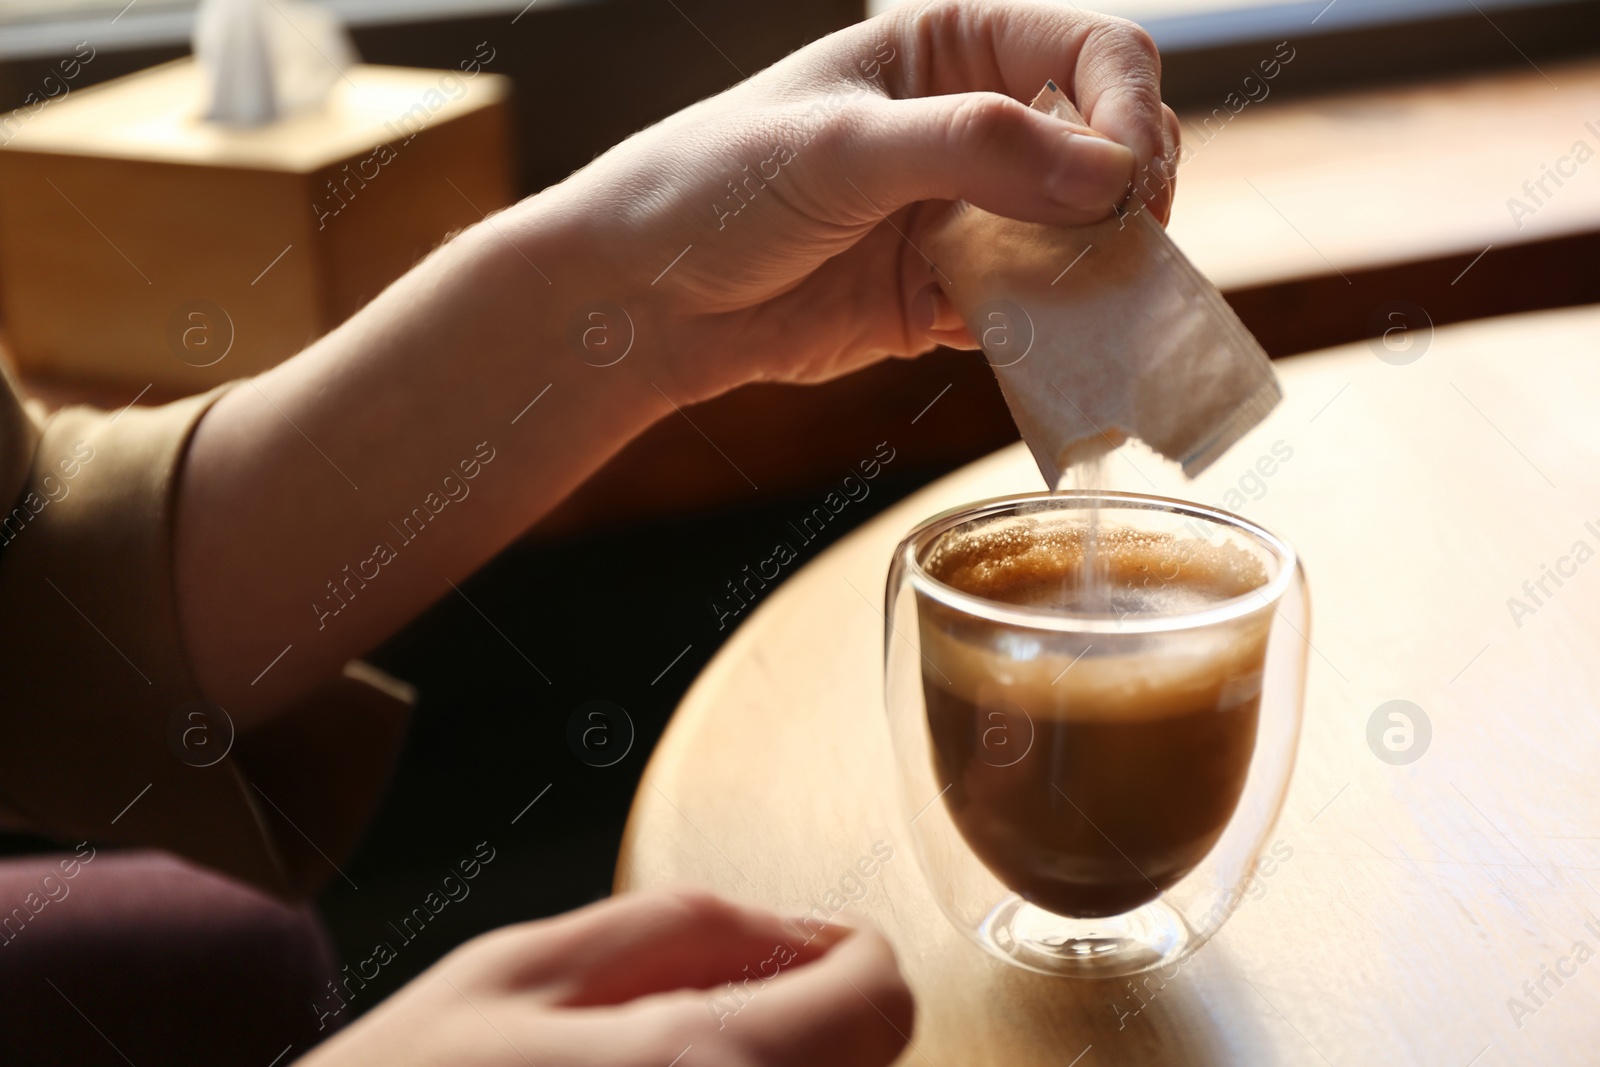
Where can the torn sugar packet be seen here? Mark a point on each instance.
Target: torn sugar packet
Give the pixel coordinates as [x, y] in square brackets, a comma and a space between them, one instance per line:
[1103, 332]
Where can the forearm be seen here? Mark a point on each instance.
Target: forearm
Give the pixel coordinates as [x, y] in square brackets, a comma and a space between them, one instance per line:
[768, 233]
[331, 499]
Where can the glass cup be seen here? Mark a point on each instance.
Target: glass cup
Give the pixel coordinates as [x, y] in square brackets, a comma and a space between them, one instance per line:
[1095, 700]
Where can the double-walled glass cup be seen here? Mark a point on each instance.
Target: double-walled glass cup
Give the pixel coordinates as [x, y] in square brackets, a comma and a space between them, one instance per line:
[1095, 700]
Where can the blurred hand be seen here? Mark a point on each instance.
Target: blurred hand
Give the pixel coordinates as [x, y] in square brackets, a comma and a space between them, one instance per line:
[640, 981]
[772, 232]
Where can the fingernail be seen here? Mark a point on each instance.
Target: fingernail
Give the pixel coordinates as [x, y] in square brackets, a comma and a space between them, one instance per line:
[1091, 172]
[925, 307]
[1084, 131]
[945, 316]
[821, 935]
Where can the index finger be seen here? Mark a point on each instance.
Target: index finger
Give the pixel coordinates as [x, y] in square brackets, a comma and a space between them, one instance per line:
[851, 1008]
[1109, 66]
[651, 942]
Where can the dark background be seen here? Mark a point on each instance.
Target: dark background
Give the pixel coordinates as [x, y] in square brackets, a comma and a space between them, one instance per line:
[602, 615]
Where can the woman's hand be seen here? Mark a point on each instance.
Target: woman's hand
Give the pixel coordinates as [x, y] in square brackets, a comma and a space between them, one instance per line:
[773, 232]
[769, 233]
[643, 981]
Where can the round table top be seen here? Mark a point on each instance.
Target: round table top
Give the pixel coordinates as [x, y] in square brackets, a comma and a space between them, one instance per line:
[1437, 911]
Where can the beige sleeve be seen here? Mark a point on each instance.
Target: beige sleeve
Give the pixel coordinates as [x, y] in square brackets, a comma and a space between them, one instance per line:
[105, 737]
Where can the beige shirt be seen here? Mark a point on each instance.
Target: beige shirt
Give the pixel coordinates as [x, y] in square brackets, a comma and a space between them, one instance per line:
[96, 693]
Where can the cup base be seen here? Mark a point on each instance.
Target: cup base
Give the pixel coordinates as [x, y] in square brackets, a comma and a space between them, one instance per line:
[1140, 940]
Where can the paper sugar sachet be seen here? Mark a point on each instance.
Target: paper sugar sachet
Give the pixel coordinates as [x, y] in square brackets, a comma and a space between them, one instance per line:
[1103, 332]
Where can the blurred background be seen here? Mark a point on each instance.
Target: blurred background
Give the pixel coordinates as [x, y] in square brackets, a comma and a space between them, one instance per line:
[1340, 153]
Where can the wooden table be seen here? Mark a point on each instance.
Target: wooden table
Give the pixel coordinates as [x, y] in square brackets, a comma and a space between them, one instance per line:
[1418, 897]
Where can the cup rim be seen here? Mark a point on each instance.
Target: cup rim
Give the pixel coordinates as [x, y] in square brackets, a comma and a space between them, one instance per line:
[1060, 620]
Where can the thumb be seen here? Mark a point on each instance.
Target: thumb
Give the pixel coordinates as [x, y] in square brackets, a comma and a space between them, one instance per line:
[989, 150]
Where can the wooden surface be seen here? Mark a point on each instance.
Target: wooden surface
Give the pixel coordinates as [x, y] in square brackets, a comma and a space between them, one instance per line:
[1417, 899]
[1353, 181]
[1315, 215]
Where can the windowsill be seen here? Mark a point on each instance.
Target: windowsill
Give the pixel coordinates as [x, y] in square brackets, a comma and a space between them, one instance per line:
[163, 27]
[1359, 181]
[1183, 25]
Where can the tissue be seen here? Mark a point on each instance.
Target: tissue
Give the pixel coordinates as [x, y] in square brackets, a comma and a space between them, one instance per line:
[268, 59]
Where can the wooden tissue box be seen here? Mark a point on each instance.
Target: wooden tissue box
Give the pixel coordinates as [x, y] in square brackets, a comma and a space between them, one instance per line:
[141, 245]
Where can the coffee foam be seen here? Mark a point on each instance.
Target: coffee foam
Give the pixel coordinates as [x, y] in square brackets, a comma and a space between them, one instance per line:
[1031, 564]
[1114, 677]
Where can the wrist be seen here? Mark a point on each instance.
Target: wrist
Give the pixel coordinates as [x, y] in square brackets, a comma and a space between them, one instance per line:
[603, 283]
[531, 285]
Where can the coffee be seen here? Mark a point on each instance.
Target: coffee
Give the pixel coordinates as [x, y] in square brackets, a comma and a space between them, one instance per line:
[1086, 771]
